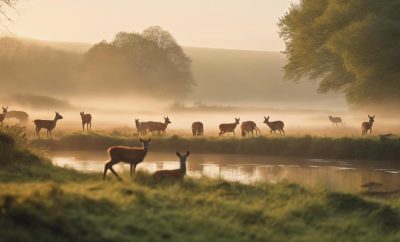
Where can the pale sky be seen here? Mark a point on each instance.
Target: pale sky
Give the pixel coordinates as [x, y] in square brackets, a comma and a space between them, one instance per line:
[230, 24]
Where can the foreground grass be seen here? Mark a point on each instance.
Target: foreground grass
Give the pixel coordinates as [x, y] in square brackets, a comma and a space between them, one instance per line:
[321, 147]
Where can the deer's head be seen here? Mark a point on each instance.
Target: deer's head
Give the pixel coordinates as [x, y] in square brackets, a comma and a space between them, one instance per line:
[145, 143]
[136, 121]
[371, 119]
[5, 109]
[182, 158]
[266, 120]
[237, 120]
[58, 116]
[82, 113]
[166, 120]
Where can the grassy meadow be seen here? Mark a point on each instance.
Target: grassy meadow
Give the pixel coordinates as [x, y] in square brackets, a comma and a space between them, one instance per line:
[47, 203]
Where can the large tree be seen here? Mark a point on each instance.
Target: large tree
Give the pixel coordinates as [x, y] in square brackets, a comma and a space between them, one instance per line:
[351, 46]
[150, 62]
[5, 7]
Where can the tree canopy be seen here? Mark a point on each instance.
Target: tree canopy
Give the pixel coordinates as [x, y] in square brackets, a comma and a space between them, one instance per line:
[351, 46]
[151, 62]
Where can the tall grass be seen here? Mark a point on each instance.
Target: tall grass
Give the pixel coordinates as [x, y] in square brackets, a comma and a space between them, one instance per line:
[39, 202]
[309, 146]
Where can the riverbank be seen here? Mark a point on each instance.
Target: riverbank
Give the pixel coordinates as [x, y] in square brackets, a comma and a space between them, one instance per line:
[41, 202]
[304, 146]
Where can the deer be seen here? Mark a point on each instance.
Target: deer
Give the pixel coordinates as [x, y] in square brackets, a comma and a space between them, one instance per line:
[3, 115]
[275, 125]
[227, 128]
[335, 120]
[158, 126]
[86, 119]
[49, 125]
[249, 126]
[178, 174]
[365, 126]
[130, 155]
[21, 116]
[197, 128]
[141, 127]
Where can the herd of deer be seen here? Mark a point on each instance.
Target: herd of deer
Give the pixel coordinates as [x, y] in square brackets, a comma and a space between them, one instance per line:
[143, 128]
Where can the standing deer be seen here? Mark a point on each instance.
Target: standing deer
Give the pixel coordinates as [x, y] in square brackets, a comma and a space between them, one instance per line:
[178, 174]
[249, 126]
[275, 125]
[335, 120]
[3, 115]
[158, 126]
[130, 155]
[197, 128]
[141, 127]
[86, 119]
[21, 116]
[365, 126]
[227, 128]
[49, 125]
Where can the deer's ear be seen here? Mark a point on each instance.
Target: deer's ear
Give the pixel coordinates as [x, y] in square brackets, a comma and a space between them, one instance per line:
[140, 140]
[187, 153]
[179, 155]
[372, 117]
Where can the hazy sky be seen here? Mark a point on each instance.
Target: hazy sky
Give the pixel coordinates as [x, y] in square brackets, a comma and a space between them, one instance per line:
[232, 24]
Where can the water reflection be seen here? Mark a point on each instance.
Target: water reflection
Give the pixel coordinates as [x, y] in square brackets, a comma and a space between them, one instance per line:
[336, 175]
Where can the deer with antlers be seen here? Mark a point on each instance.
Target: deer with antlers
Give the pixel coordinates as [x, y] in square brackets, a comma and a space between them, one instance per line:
[130, 155]
[86, 119]
[249, 127]
[275, 125]
[227, 128]
[49, 125]
[158, 126]
[178, 174]
[365, 126]
[3, 115]
[197, 129]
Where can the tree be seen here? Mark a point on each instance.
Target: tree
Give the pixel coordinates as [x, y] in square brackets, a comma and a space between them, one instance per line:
[151, 62]
[5, 7]
[349, 46]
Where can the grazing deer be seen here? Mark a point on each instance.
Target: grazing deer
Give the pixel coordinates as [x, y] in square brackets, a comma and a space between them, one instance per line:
[178, 174]
[20, 115]
[3, 115]
[86, 119]
[49, 125]
[335, 120]
[365, 126]
[158, 126]
[249, 126]
[275, 125]
[130, 155]
[227, 128]
[197, 128]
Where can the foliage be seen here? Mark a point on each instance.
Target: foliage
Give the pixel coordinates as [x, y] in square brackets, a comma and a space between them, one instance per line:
[152, 62]
[350, 46]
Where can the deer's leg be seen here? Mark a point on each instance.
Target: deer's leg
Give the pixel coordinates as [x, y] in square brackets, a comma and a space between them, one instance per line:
[37, 131]
[108, 166]
[283, 132]
[131, 170]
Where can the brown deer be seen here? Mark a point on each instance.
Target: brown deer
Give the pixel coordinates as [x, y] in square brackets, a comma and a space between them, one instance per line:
[130, 155]
[365, 126]
[197, 129]
[249, 126]
[227, 128]
[86, 119]
[141, 127]
[335, 120]
[158, 126]
[178, 174]
[3, 115]
[49, 125]
[275, 125]
[21, 116]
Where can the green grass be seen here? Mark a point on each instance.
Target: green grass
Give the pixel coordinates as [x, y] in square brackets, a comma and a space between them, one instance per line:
[40, 202]
[307, 146]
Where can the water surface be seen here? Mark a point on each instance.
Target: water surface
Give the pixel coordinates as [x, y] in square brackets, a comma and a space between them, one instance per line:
[336, 175]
